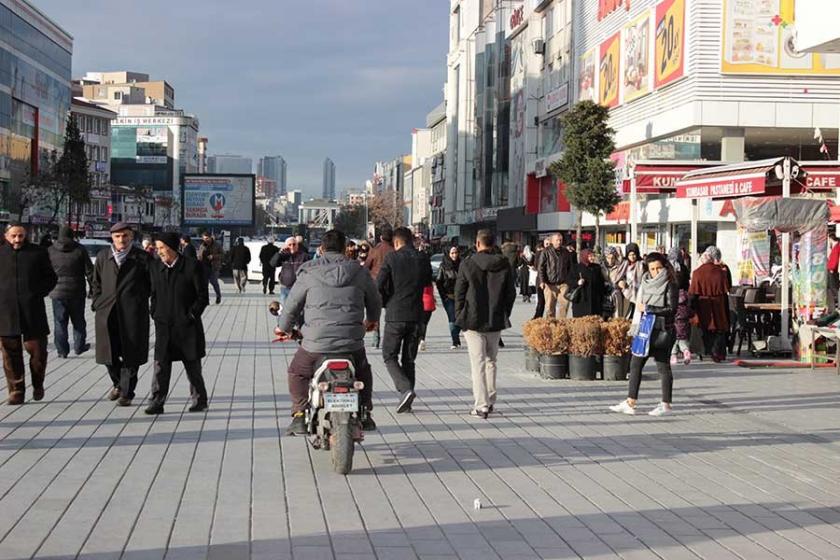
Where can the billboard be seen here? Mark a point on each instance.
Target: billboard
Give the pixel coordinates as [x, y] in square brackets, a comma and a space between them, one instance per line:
[759, 38]
[636, 55]
[587, 76]
[669, 51]
[218, 200]
[610, 70]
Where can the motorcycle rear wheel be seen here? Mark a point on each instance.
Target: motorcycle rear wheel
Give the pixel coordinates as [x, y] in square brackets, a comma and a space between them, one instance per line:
[342, 445]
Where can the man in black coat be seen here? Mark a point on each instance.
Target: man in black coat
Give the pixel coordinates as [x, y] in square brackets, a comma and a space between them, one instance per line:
[179, 297]
[74, 270]
[404, 274]
[240, 256]
[121, 290]
[267, 252]
[187, 248]
[26, 277]
[484, 295]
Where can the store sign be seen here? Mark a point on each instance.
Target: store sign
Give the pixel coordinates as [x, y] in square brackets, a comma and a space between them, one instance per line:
[610, 57]
[738, 186]
[147, 121]
[486, 214]
[606, 7]
[819, 178]
[517, 19]
[556, 98]
[669, 51]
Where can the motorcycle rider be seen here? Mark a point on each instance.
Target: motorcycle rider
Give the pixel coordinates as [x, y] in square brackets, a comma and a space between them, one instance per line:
[339, 303]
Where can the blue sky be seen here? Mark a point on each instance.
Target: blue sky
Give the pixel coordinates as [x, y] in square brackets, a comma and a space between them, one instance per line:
[305, 79]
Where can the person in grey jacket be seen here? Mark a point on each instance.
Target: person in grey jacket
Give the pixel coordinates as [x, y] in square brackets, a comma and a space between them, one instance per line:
[73, 267]
[339, 304]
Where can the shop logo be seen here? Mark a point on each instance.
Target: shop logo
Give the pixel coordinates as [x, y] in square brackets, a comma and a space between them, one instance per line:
[517, 18]
[217, 202]
[606, 7]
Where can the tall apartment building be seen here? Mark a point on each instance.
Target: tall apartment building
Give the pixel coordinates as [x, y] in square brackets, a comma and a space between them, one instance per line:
[273, 167]
[328, 183]
[119, 88]
[35, 62]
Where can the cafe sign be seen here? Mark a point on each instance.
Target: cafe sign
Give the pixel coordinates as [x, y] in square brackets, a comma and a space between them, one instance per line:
[741, 185]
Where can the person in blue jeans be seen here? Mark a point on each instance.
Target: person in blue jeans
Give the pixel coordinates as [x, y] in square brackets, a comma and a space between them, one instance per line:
[446, 277]
[73, 267]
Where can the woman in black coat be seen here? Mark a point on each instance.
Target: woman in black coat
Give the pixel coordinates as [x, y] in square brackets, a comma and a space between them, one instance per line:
[590, 300]
[445, 281]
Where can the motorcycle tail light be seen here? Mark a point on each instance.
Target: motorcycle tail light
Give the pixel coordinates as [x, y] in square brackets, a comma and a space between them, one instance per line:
[339, 365]
[323, 386]
[341, 390]
[358, 385]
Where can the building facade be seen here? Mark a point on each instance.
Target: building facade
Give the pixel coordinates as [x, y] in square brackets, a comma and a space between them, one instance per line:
[95, 126]
[229, 163]
[126, 88]
[274, 167]
[318, 213]
[328, 181]
[35, 64]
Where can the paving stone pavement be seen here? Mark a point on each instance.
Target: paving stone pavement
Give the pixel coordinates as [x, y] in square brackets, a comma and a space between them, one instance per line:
[747, 467]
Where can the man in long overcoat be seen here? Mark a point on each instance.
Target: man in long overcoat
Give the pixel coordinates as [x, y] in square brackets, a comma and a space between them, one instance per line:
[26, 277]
[179, 297]
[121, 289]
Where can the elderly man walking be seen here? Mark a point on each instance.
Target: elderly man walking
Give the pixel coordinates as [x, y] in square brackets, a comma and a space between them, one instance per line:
[179, 297]
[74, 270]
[26, 277]
[554, 276]
[121, 289]
[289, 261]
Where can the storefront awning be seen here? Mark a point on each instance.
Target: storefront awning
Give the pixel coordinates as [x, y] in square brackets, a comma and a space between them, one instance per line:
[740, 179]
[819, 175]
[655, 177]
[515, 219]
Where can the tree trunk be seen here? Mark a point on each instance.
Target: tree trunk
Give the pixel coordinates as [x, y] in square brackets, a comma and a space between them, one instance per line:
[597, 230]
[579, 227]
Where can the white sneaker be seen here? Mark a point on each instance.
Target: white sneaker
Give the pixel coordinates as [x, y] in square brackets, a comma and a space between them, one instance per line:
[624, 408]
[453, 347]
[661, 410]
[422, 345]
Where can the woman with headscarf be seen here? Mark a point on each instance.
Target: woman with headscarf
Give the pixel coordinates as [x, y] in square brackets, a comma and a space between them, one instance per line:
[590, 298]
[446, 278]
[617, 270]
[658, 295]
[526, 260]
[633, 274]
[682, 327]
[708, 296]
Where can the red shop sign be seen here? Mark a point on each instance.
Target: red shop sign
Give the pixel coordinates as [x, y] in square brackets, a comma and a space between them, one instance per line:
[743, 185]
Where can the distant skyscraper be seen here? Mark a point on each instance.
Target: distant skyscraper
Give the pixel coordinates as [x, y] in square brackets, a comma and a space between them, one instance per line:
[329, 180]
[274, 167]
[227, 163]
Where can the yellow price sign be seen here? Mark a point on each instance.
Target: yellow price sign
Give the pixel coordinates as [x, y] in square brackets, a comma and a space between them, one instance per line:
[669, 53]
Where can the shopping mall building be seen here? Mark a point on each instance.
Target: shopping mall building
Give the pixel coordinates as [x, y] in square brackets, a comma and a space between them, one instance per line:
[35, 55]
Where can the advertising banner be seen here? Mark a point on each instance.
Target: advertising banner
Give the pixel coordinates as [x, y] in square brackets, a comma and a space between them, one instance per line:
[610, 70]
[669, 52]
[759, 38]
[741, 186]
[218, 200]
[588, 76]
[811, 280]
[753, 257]
[635, 48]
[516, 164]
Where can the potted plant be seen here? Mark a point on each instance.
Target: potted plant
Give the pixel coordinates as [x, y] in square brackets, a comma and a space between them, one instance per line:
[584, 346]
[531, 331]
[615, 335]
[550, 338]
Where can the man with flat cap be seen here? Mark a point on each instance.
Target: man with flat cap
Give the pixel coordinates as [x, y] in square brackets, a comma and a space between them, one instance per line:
[121, 290]
[179, 297]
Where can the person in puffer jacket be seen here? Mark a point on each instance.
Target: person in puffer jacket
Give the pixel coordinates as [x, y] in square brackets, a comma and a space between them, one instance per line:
[339, 303]
[73, 267]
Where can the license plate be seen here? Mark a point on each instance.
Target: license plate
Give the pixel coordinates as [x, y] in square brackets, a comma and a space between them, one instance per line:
[341, 402]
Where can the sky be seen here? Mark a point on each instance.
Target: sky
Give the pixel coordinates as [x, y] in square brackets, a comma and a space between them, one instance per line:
[305, 79]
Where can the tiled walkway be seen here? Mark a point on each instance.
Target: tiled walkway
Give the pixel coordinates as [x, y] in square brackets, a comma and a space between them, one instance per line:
[747, 468]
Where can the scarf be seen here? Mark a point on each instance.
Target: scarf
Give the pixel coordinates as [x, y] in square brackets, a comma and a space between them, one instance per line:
[120, 256]
[653, 291]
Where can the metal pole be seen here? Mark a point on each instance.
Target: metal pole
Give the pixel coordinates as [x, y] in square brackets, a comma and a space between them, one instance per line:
[634, 209]
[785, 261]
[694, 246]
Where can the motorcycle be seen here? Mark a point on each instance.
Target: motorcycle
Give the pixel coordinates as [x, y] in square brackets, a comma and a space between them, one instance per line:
[333, 415]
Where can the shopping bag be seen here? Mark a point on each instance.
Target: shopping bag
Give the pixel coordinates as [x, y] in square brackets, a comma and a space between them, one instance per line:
[641, 341]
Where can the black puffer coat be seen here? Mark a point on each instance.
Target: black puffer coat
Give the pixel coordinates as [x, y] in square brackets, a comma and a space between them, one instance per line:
[447, 276]
[72, 266]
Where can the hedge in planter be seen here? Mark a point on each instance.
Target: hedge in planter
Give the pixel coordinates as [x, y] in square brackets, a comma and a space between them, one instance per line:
[584, 345]
[615, 335]
[550, 338]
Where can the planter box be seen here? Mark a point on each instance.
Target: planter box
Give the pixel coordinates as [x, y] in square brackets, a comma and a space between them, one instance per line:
[582, 368]
[554, 366]
[616, 368]
[532, 360]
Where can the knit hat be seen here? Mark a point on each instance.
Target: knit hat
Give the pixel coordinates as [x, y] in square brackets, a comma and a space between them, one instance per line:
[170, 239]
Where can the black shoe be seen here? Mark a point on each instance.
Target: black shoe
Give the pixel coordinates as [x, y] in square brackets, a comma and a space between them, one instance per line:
[405, 403]
[83, 349]
[271, 292]
[368, 425]
[264, 290]
[37, 393]
[501, 343]
[218, 300]
[490, 408]
[154, 408]
[62, 356]
[297, 427]
[200, 406]
[124, 401]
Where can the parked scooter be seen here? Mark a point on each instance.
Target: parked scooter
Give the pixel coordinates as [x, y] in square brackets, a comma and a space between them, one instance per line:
[333, 415]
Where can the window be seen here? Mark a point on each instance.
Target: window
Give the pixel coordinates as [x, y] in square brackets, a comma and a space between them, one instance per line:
[117, 95]
[548, 19]
[104, 153]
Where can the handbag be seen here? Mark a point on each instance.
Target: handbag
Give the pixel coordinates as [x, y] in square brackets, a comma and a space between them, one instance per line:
[573, 296]
[640, 346]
